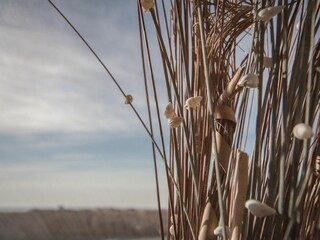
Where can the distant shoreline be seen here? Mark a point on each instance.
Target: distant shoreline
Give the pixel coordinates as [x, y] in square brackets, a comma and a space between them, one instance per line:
[65, 224]
[28, 209]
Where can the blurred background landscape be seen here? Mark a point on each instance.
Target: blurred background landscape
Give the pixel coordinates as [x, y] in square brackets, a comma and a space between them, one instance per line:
[63, 224]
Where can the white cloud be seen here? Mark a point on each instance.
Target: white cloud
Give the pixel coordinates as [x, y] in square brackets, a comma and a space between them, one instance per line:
[57, 102]
[50, 82]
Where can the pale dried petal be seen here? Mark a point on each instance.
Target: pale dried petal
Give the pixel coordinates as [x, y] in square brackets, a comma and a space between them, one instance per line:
[193, 102]
[169, 112]
[267, 13]
[259, 209]
[250, 80]
[302, 131]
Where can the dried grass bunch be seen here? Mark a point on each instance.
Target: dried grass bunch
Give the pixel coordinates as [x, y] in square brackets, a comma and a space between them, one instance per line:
[256, 73]
[236, 72]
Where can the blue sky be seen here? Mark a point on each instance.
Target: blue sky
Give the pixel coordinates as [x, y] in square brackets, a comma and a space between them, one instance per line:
[66, 138]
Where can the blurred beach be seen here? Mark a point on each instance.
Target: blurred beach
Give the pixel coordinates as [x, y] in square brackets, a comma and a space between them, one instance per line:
[66, 224]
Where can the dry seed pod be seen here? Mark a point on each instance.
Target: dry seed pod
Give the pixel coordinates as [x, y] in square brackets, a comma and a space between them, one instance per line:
[225, 112]
[209, 223]
[229, 90]
[147, 5]
[250, 80]
[238, 194]
[193, 102]
[259, 209]
[267, 62]
[317, 168]
[267, 13]
[302, 131]
[128, 99]
[224, 151]
[175, 122]
[218, 231]
[169, 112]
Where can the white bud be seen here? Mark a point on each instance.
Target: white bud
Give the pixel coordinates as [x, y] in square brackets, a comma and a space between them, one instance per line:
[302, 131]
[259, 209]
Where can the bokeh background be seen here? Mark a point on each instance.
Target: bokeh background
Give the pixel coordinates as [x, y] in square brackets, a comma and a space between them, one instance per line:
[66, 138]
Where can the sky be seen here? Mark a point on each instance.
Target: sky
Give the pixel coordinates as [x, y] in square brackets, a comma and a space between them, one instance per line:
[66, 138]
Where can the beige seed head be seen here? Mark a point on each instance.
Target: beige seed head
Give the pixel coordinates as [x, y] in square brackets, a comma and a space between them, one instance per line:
[128, 99]
[147, 5]
[193, 102]
[175, 122]
[169, 112]
[250, 80]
